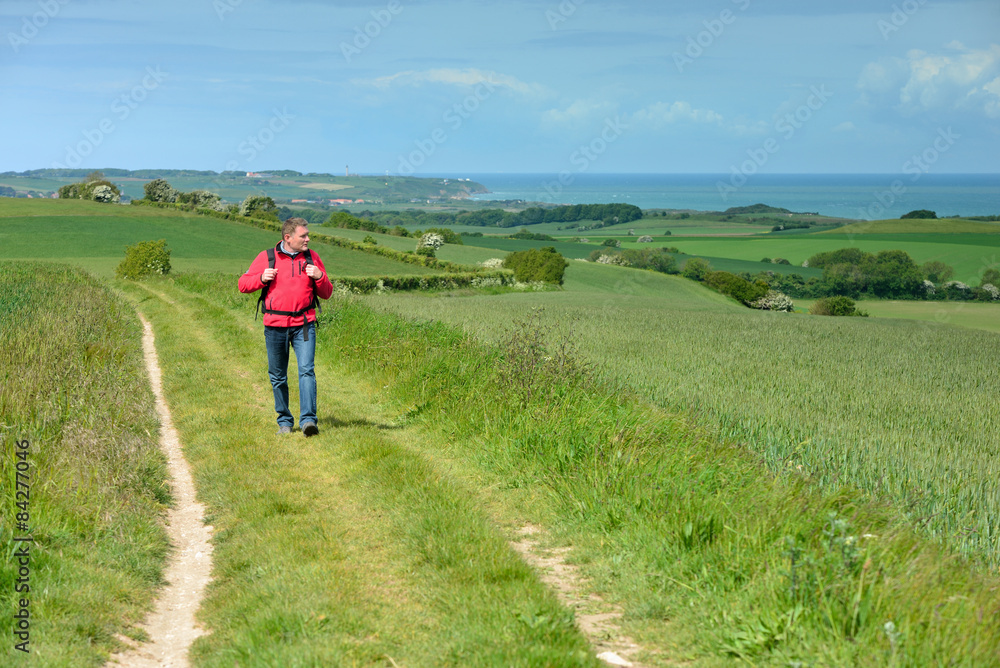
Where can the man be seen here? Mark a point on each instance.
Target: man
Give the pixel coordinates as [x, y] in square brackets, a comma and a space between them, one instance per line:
[291, 283]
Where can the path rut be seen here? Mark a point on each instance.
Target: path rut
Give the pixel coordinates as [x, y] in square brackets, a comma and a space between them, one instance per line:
[171, 626]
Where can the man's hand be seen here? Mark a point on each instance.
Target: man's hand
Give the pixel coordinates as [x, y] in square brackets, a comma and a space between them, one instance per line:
[312, 271]
[268, 275]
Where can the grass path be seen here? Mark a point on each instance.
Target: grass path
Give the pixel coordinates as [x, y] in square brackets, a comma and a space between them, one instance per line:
[355, 547]
[172, 628]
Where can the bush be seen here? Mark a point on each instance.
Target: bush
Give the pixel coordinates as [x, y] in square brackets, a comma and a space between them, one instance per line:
[774, 301]
[838, 305]
[259, 206]
[697, 269]
[369, 239]
[96, 188]
[919, 213]
[158, 190]
[144, 259]
[738, 288]
[611, 243]
[538, 264]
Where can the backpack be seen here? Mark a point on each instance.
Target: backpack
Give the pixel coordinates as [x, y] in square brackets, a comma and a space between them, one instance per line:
[262, 305]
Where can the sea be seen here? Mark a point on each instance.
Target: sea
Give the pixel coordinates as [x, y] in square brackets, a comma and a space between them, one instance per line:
[856, 196]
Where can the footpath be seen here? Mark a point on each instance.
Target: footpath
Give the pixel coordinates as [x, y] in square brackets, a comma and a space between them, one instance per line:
[365, 545]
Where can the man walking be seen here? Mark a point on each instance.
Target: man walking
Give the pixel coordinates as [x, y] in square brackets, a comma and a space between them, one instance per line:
[293, 280]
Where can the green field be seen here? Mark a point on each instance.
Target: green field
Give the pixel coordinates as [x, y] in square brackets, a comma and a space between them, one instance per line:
[970, 257]
[848, 399]
[94, 236]
[744, 486]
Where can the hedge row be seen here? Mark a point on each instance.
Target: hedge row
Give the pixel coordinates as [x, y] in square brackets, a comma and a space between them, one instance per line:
[371, 284]
[399, 256]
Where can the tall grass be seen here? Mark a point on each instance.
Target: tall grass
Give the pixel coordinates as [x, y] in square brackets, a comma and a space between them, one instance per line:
[75, 387]
[901, 409]
[708, 553]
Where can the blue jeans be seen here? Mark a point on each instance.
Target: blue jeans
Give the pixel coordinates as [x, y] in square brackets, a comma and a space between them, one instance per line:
[278, 340]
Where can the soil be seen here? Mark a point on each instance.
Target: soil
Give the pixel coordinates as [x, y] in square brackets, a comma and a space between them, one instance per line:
[596, 619]
[171, 627]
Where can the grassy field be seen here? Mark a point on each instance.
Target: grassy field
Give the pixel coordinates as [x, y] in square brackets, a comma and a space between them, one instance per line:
[75, 389]
[383, 540]
[972, 315]
[94, 236]
[920, 226]
[895, 407]
[969, 256]
[772, 488]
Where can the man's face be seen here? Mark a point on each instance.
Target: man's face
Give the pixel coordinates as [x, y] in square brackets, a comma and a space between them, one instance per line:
[298, 240]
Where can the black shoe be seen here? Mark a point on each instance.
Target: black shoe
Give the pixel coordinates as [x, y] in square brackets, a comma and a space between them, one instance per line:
[310, 429]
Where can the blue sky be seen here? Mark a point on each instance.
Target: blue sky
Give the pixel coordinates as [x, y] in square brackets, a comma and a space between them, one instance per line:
[446, 87]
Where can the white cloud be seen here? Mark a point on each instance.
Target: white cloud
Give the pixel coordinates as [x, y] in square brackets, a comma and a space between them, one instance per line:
[669, 113]
[468, 77]
[846, 126]
[579, 113]
[922, 82]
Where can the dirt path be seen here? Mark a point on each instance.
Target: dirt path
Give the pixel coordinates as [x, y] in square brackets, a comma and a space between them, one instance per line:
[596, 619]
[172, 627]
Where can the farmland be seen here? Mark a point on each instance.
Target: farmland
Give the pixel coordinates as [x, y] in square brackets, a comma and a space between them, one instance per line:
[94, 236]
[690, 452]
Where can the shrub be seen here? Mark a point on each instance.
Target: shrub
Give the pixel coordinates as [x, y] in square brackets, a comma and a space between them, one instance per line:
[611, 243]
[95, 188]
[259, 206]
[158, 190]
[919, 213]
[838, 305]
[774, 301]
[645, 239]
[697, 269]
[104, 193]
[369, 239]
[736, 287]
[538, 264]
[766, 260]
[144, 259]
[780, 260]
[429, 243]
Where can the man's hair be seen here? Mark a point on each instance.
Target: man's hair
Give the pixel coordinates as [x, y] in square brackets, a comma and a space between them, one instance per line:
[288, 227]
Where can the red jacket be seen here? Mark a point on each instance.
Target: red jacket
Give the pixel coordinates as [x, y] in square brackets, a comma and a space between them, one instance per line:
[290, 290]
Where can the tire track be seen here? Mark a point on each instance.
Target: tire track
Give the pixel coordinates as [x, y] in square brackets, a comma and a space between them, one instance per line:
[172, 627]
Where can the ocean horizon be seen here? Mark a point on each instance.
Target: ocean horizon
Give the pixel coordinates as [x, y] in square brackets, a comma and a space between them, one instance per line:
[857, 196]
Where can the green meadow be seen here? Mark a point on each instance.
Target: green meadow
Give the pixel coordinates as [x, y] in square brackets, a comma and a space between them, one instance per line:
[94, 236]
[767, 488]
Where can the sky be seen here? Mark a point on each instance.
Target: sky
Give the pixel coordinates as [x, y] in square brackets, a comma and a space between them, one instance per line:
[427, 87]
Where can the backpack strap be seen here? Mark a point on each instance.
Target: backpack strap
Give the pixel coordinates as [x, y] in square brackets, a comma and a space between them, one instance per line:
[307, 254]
[261, 306]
